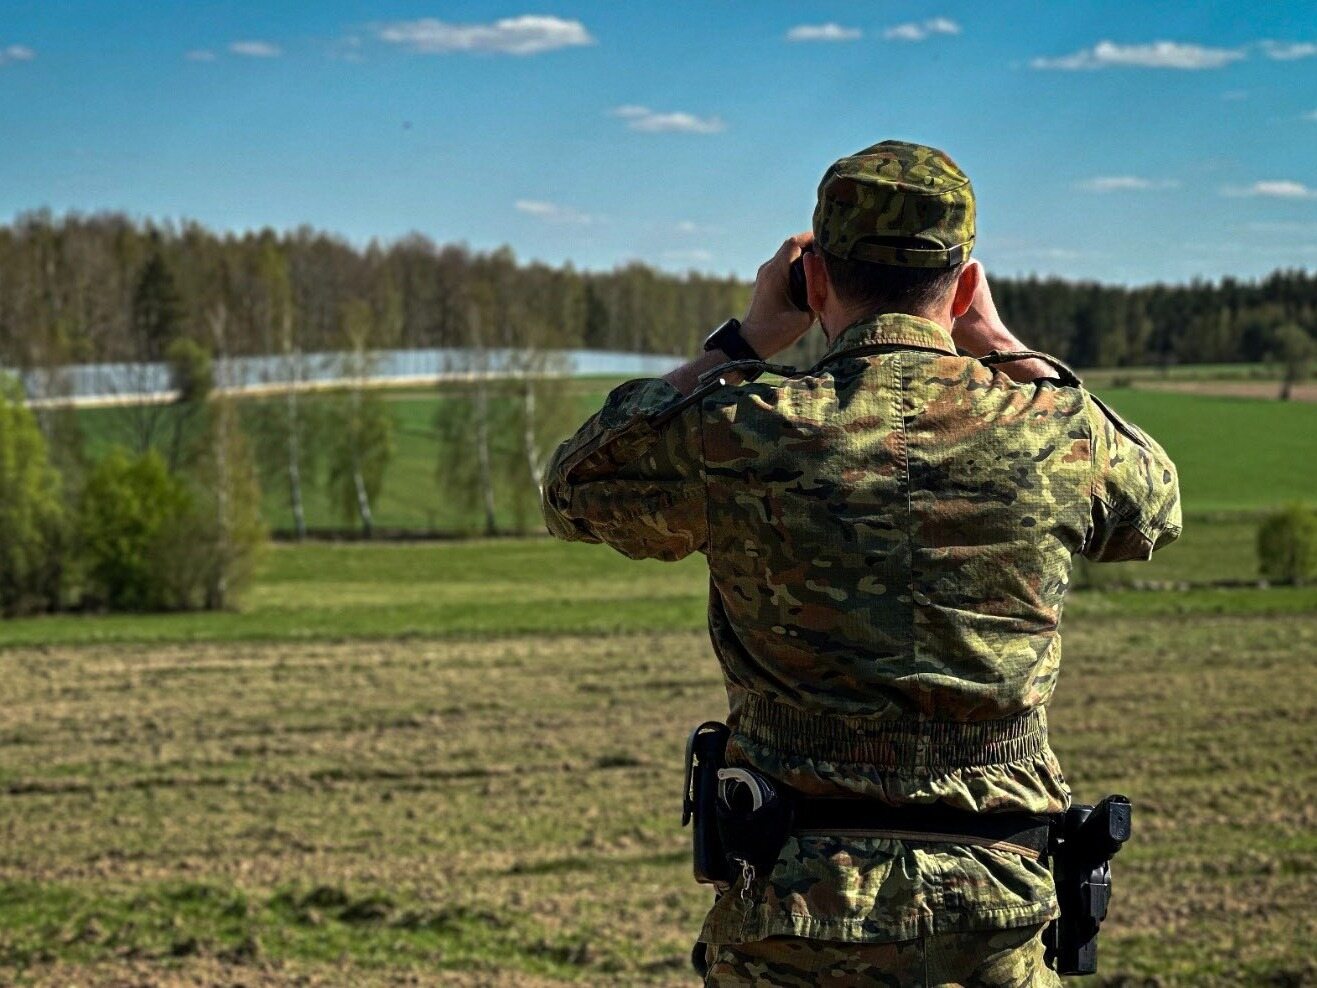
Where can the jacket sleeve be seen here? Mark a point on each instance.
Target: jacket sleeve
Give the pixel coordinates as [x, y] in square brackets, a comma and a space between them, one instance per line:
[1135, 492]
[632, 477]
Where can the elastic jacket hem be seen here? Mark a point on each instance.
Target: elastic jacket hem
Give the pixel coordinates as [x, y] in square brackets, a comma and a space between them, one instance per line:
[902, 743]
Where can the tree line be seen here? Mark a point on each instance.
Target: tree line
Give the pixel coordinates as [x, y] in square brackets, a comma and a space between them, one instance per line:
[76, 289]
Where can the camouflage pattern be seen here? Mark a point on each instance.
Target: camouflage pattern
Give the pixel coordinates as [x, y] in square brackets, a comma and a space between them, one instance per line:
[998, 959]
[901, 191]
[889, 540]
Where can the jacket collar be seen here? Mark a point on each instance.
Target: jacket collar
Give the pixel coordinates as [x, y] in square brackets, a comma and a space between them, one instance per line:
[892, 329]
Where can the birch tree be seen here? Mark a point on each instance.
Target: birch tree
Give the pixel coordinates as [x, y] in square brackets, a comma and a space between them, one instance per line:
[361, 430]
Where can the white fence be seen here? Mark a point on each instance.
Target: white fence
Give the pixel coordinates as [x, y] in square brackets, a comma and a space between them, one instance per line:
[90, 385]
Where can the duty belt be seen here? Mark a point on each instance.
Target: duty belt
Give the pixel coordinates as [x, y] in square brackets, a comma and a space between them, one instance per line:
[903, 743]
[1021, 833]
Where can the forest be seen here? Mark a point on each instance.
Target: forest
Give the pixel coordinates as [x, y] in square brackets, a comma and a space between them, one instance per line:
[82, 289]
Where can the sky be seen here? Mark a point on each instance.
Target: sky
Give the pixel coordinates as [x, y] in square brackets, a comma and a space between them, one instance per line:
[1120, 141]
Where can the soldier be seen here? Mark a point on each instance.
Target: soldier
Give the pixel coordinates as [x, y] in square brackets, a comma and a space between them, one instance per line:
[889, 539]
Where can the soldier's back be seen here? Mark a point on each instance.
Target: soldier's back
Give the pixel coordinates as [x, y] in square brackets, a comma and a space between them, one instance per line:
[891, 536]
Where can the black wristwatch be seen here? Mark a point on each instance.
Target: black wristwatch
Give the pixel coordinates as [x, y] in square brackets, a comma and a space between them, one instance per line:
[729, 340]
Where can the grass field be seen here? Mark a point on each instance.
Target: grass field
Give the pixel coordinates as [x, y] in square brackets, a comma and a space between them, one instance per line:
[1223, 446]
[459, 762]
[535, 586]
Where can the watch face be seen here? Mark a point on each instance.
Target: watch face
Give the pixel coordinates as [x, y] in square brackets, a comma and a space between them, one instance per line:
[711, 341]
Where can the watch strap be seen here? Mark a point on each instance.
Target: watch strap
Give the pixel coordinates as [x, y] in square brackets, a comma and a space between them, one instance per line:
[729, 340]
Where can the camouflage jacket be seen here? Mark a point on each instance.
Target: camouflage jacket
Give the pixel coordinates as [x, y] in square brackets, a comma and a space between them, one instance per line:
[889, 539]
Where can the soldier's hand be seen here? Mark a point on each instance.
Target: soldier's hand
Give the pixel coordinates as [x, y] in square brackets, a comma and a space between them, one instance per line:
[772, 323]
[980, 330]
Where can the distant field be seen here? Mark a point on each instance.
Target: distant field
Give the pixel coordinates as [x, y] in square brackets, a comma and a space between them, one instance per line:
[1232, 453]
[1235, 454]
[412, 498]
[1104, 376]
[1265, 390]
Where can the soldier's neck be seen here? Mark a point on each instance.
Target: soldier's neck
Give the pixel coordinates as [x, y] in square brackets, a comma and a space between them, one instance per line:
[837, 321]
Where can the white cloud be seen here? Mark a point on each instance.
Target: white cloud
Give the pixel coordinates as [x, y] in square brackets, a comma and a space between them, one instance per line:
[1157, 55]
[919, 30]
[256, 49]
[649, 121]
[1311, 115]
[1058, 253]
[678, 122]
[1235, 95]
[1274, 189]
[1126, 183]
[525, 35]
[200, 55]
[1281, 226]
[16, 53]
[905, 32]
[551, 212]
[1024, 252]
[693, 255]
[689, 228]
[1288, 51]
[831, 31]
[347, 49]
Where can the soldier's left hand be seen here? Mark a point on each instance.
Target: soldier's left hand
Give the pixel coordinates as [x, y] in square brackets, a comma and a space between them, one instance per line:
[772, 323]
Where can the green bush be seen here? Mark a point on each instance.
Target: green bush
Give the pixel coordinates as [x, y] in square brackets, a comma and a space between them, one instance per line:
[136, 522]
[34, 544]
[1287, 546]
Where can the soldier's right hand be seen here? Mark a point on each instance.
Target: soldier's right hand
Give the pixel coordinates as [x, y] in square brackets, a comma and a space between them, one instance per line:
[772, 323]
[981, 330]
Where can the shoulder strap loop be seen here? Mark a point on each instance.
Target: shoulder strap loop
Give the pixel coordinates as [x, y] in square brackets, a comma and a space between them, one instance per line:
[1067, 376]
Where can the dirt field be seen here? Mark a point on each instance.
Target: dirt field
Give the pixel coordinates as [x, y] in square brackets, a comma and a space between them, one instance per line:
[505, 812]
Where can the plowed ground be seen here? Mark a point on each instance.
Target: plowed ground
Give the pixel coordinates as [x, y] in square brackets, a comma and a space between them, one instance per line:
[505, 812]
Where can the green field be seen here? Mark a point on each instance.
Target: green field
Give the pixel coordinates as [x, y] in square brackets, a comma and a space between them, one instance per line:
[1195, 430]
[508, 587]
[458, 762]
[1234, 455]
[412, 498]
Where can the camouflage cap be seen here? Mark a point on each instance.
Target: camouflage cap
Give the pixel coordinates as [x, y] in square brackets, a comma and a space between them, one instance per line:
[896, 203]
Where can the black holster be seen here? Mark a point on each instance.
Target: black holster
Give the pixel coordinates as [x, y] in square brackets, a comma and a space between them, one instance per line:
[742, 818]
[706, 751]
[1082, 843]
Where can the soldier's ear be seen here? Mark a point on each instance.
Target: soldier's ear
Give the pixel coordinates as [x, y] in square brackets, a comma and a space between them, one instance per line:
[967, 283]
[817, 286]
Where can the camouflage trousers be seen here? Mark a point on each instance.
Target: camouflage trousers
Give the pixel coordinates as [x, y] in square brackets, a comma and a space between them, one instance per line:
[988, 959]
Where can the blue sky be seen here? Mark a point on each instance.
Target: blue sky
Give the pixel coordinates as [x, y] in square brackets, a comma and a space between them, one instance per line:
[1120, 141]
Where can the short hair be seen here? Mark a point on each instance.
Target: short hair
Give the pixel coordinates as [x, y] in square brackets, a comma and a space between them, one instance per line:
[888, 287]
